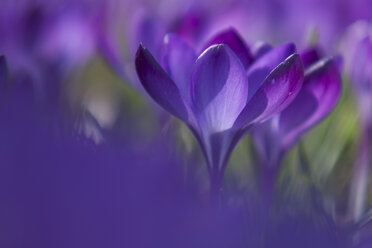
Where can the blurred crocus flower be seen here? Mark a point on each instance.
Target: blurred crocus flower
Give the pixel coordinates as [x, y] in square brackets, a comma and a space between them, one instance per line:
[68, 40]
[357, 45]
[148, 24]
[49, 32]
[49, 40]
[221, 93]
[193, 22]
[318, 97]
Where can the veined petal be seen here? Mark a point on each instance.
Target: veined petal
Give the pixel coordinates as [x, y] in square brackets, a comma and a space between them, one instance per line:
[159, 85]
[218, 88]
[231, 38]
[262, 67]
[178, 60]
[277, 92]
[318, 96]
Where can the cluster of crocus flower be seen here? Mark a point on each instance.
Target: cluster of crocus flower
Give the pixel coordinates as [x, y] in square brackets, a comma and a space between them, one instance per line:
[63, 168]
[226, 91]
[83, 184]
[120, 197]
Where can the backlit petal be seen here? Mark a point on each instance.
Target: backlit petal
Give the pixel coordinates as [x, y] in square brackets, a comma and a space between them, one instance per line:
[159, 85]
[231, 38]
[278, 90]
[317, 98]
[219, 88]
[262, 67]
[178, 60]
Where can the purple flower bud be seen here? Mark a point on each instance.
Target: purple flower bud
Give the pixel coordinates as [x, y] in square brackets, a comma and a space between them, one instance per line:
[317, 98]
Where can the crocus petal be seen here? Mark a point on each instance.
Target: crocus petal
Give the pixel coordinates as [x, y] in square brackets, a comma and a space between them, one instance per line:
[261, 48]
[148, 30]
[339, 61]
[277, 92]
[178, 59]
[219, 88]
[261, 68]
[231, 38]
[159, 85]
[319, 95]
[360, 71]
[311, 55]
[191, 25]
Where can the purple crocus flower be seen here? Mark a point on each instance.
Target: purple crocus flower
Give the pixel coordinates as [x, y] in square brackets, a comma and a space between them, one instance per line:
[221, 93]
[358, 46]
[317, 98]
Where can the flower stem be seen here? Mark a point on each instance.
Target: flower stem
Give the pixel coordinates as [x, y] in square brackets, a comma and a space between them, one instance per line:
[215, 186]
[268, 178]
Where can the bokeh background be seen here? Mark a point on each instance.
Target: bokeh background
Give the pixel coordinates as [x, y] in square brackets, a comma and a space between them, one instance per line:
[87, 159]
